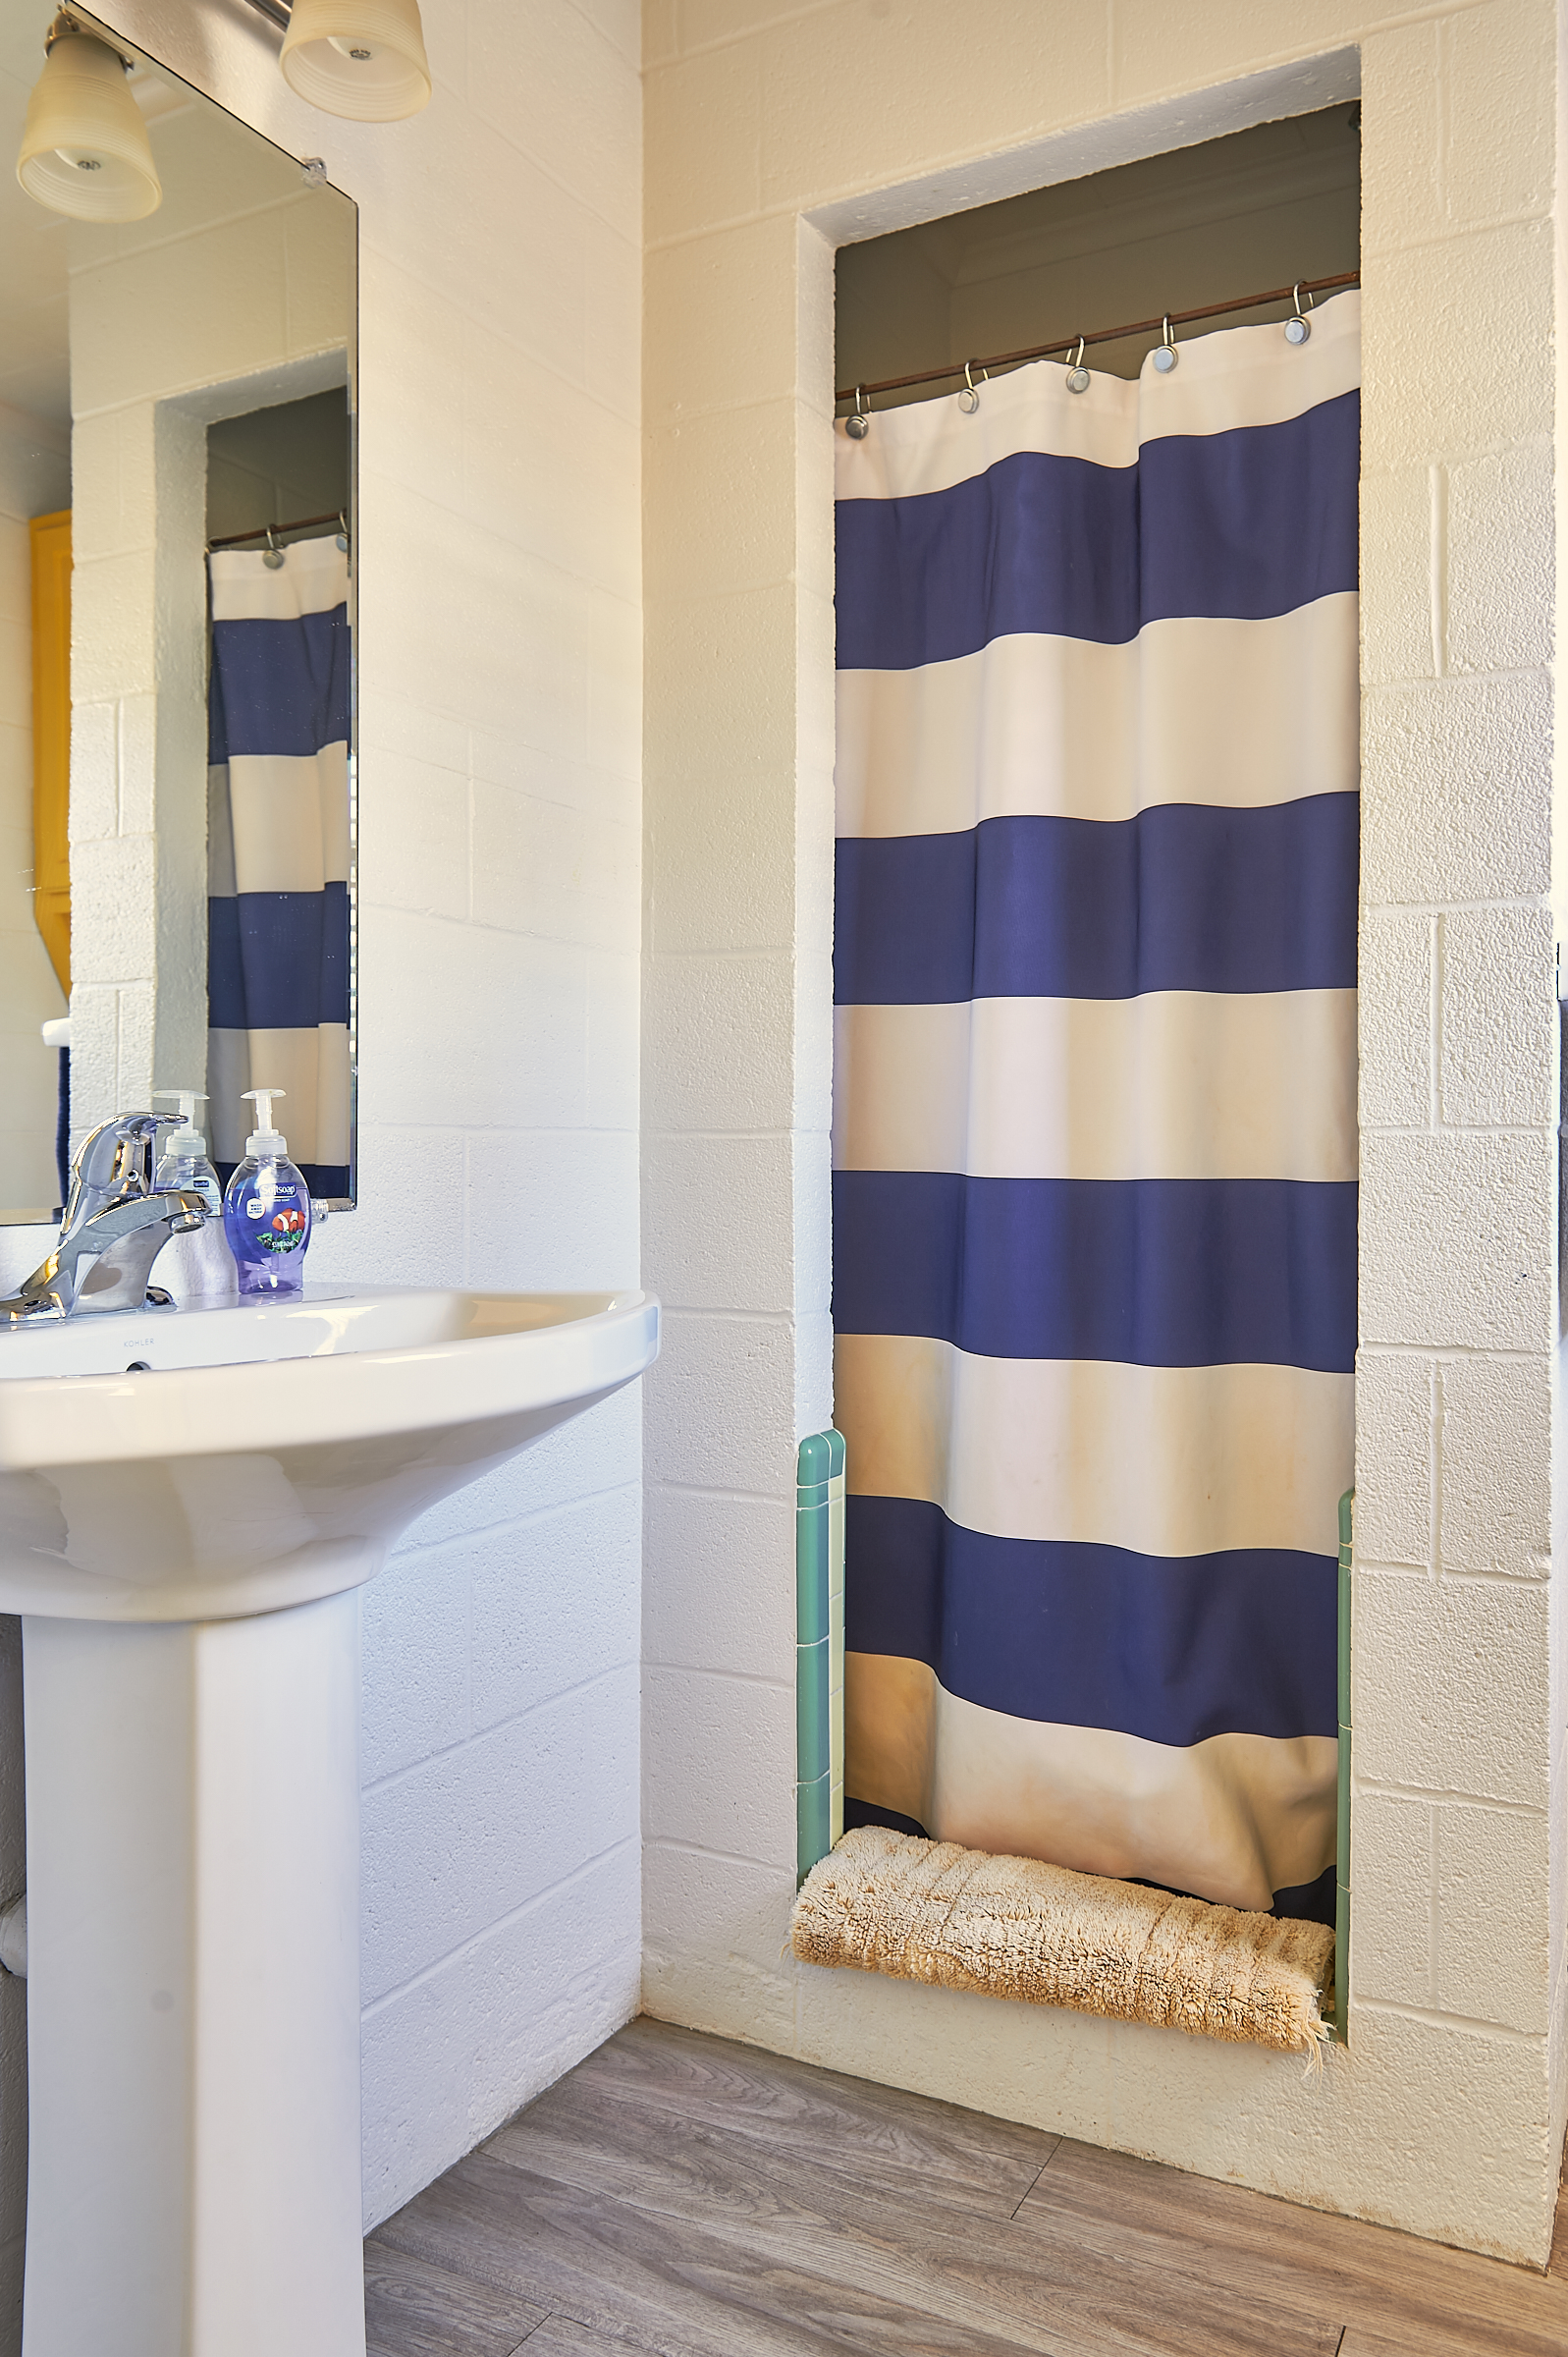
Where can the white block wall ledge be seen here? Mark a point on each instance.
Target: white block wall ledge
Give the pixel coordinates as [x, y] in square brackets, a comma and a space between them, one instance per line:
[772, 130]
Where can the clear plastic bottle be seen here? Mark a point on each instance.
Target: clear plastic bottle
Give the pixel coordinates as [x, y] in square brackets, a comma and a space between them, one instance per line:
[266, 1210]
[195, 1269]
[183, 1153]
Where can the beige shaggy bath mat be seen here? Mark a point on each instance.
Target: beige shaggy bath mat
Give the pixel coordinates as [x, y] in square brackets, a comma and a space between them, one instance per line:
[1011, 1927]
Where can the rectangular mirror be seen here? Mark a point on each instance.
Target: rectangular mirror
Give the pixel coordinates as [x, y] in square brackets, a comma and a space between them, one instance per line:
[177, 597]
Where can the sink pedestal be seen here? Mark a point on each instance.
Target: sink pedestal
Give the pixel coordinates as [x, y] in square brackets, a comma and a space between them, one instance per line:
[194, 1986]
[187, 1505]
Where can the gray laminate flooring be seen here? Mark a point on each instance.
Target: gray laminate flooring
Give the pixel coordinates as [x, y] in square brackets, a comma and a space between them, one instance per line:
[679, 2194]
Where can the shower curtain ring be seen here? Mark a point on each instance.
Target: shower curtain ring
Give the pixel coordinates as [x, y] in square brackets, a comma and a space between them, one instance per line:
[969, 398]
[1077, 373]
[1297, 329]
[272, 553]
[1165, 354]
[858, 425]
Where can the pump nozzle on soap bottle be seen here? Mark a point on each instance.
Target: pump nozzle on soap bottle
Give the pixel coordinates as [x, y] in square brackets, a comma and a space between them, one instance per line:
[266, 1211]
[264, 1138]
[182, 1151]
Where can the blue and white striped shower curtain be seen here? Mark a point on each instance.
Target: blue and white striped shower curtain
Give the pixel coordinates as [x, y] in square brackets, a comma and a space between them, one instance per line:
[1094, 1144]
[278, 853]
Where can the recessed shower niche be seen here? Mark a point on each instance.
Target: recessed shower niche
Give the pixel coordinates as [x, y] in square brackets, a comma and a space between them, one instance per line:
[1094, 1144]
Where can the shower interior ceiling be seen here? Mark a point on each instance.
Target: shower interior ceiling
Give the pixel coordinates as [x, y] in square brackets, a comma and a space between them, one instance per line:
[1260, 208]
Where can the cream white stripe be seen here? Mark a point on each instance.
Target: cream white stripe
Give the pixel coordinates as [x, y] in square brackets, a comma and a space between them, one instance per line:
[312, 578]
[220, 834]
[1230, 377]
[1232, 1819]
[288, 815]
[1066, 728]
[311, 1067]
[1175, 1084]
[1162, 1460]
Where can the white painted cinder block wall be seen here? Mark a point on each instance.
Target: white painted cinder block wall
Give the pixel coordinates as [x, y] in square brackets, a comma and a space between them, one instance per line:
[499, 666]
[774, 132]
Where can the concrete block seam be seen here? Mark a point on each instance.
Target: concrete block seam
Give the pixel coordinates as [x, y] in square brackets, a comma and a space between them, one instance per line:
[476, 1941]
[495, 1727]
[1465, 2024]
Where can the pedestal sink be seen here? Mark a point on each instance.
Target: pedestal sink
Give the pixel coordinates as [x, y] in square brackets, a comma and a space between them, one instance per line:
[187, 1502]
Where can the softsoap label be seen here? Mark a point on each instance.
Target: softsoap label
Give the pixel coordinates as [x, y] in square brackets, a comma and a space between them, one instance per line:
[280, 1219]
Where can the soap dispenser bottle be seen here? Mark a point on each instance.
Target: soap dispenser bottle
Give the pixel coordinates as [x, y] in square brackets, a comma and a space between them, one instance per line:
[183, 1152]
[266, 1210]
[195, 1267]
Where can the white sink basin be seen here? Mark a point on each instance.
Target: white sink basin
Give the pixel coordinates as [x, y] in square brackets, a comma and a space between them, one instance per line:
[187, 1502]
[200, 1463]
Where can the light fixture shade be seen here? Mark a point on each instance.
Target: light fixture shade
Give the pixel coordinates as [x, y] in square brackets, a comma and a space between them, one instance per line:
[360, 58]
[84, 147]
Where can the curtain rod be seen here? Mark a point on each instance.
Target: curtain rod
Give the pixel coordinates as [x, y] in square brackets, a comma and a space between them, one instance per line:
[265, 531]
[1105, 335]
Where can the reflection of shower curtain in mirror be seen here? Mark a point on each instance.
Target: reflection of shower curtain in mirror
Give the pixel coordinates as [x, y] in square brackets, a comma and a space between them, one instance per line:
[278, 852]
[1094, 1147]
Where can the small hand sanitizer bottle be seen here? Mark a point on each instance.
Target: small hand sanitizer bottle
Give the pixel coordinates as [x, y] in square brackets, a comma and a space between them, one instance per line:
[183, 1152]
[266, 1211]
[197, 1270]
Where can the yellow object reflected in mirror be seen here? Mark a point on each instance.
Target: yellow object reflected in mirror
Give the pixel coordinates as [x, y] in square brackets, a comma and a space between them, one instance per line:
[50, 536]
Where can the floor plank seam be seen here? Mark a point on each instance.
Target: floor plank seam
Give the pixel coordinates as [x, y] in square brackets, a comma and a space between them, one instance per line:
[1029, 2188]
[602, 2330]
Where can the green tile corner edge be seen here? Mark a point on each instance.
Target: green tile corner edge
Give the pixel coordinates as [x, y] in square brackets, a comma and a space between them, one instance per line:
[819, 1622]
[1342, 2019]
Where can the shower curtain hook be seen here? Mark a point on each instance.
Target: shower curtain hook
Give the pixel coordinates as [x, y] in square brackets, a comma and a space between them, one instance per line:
[1077, 373]
[969, 398]
[272, 553]
[858, 425]
[1165, 354]
[1297, 329]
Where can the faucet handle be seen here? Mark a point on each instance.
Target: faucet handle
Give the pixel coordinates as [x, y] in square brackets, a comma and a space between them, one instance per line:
[112, 1160]
[103, 1156]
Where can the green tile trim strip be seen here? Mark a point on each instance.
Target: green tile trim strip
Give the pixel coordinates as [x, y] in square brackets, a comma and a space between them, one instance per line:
[819, 1647]
[836, 1528]
[1342, 1845]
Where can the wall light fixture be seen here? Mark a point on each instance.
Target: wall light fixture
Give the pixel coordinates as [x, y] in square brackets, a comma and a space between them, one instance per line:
[85, 149]
[360, 58]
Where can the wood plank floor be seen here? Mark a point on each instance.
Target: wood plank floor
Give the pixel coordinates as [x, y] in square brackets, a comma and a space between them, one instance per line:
[680, 2195]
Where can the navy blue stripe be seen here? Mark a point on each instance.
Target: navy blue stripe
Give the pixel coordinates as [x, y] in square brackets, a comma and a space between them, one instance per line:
[279, 686]
[278, 960]
[1173, 1648]
[226, 1000]
[1148, 1272]
[1248, 523]
[1310, 1902]
[1182, 897]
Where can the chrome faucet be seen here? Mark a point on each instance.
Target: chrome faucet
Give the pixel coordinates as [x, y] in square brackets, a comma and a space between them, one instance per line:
[114, 1226]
